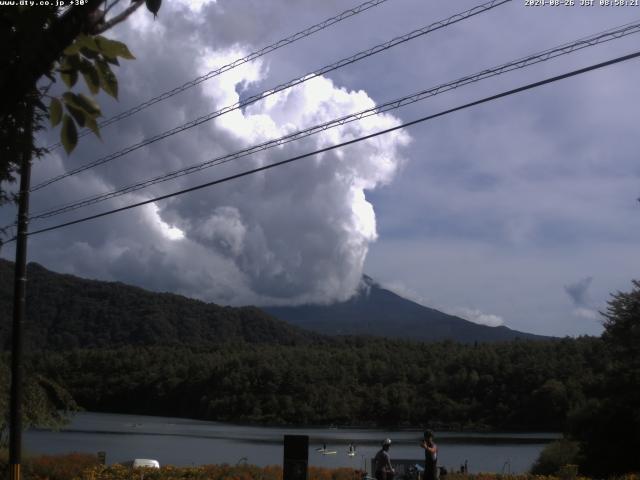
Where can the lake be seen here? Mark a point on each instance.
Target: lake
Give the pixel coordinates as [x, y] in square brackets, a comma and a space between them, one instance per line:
[179, 441]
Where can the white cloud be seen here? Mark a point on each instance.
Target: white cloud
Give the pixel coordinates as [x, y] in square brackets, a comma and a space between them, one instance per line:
[399, 288]
[196, 5]
[169, 232]
[298, 233]
[476, 316]
[586, 313]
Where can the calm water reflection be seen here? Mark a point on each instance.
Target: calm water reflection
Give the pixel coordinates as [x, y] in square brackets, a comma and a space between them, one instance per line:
[180, 441]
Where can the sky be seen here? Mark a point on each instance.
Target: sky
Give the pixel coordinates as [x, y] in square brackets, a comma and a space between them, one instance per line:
[520, 212]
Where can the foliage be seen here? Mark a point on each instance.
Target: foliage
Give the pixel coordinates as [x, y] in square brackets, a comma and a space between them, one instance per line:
[41, 42]
[46, 404]
[347, 382]
[554, 456]
[78, 466]
[50, 467]
[608, 426]
[84, 467]
[59, 467]
[91, 57]
[622, 327]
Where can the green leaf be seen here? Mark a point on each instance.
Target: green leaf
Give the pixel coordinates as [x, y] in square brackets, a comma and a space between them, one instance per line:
[113, 48]
[112, 61]
[69, 134]
[55, 111]
[88, 104]
[78, 115]
[69, 77]
[87, 42]
[93, 126]
[91, 77]
[72, 61]
[82, 42]
[72, 49]
[70, 98]
[108, 80]
[89, 53]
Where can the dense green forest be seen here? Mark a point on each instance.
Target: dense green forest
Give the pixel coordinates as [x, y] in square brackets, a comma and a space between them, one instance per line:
[518, 385]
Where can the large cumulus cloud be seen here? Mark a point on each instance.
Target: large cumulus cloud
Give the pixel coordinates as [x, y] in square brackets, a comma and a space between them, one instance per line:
[298, 233]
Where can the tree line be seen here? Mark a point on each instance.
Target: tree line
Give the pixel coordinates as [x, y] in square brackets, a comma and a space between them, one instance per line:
[519, 385]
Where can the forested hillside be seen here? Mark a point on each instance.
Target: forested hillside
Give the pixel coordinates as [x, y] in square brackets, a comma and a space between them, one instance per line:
[117, 348]
[517, 385]
[66, 312]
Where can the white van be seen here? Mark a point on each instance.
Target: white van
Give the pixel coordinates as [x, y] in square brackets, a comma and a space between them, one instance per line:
[144, 462]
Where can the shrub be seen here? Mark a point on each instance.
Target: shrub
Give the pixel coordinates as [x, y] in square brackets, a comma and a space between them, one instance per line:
[58, 467]
[555, 456]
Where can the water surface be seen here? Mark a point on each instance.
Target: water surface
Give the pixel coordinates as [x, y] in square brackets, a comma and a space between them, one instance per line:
[179, 441]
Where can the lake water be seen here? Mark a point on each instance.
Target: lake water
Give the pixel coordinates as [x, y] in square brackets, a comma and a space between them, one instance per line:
[179, 441]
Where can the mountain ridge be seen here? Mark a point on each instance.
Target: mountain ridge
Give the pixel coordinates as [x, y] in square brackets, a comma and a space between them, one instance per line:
[65, 312]
[376, 311]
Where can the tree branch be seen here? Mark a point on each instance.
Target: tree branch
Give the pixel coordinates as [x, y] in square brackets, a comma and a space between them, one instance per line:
[108, 8]
[118, 18]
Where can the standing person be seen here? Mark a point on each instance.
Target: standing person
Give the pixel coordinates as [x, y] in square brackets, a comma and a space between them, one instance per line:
[383, 468]
[430, 456]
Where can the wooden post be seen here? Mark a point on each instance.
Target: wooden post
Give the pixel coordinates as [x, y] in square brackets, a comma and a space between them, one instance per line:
[19, 299]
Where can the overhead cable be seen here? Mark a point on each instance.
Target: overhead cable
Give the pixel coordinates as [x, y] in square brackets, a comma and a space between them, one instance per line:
[248, 101]
[595, 39]
[236, 63]
[343, 144]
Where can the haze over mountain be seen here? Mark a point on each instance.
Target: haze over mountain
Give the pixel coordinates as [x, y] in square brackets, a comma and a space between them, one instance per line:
[379, 312]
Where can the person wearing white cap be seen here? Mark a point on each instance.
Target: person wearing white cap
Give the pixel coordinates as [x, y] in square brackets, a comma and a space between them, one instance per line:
[383, 468]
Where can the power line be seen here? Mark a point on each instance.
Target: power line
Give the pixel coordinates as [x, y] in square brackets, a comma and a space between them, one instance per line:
[236, 63]
[243, 103]
[592, 40]
[349, 142]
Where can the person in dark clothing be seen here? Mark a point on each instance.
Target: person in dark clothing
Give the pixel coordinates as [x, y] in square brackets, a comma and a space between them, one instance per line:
[383, 468]
[430, 456]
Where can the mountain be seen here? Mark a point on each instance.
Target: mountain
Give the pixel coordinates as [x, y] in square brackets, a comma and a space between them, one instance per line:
[376, 311]
[65, 312]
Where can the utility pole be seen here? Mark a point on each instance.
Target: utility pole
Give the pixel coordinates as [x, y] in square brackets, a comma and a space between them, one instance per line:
[19, 297]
